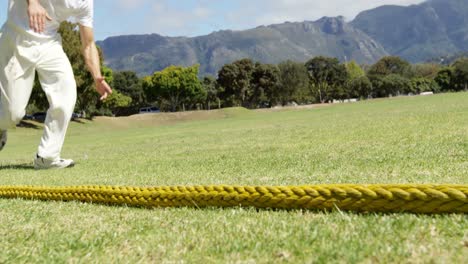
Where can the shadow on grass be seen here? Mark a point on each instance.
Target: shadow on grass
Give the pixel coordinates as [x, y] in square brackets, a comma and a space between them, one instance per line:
[38, 124]
[29, 124]
[25, 166]
[330, 212]
[77, 120]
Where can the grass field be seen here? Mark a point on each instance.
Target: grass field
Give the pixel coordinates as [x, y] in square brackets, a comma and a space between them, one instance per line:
[400, 140]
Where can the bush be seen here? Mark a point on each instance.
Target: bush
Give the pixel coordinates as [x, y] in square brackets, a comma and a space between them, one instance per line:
[420, 85]
[360, 87]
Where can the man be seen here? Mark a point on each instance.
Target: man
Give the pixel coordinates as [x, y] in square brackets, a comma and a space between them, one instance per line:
[29, 42]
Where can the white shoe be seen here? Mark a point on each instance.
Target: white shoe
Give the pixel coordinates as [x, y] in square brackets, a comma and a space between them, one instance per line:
[45, 164]
[3, 139]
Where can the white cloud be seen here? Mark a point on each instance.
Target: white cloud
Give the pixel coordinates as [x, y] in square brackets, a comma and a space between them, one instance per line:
[277, 11]
[168, 19]
[194, 17]
[130, 4]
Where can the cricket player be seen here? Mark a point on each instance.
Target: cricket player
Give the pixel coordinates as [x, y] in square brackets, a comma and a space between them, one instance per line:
[29, 43]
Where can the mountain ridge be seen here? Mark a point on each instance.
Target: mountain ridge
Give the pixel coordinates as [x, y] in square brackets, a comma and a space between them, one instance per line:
[417, 33]
[329, 36]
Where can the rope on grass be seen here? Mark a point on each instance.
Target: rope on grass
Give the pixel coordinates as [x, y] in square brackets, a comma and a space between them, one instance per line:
[427, 199]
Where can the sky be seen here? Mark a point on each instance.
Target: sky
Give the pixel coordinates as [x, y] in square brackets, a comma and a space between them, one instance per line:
[200, 17]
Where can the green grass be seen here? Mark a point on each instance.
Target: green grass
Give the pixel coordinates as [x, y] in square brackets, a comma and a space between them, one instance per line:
[401, 140]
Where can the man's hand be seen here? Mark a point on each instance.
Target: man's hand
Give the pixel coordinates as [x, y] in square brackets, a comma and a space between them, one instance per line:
[103, 88]
[37, 16]
[91, 56]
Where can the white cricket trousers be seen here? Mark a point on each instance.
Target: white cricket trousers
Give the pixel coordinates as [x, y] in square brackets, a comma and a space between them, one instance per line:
[20, 57]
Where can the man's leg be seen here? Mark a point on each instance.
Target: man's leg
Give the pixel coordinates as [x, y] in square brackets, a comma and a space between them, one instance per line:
[15, 95]
[58, 82]
[14, 99]
[15, 90]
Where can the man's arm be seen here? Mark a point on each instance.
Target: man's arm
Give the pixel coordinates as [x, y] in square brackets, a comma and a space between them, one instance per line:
[91, 57]
[37, 16]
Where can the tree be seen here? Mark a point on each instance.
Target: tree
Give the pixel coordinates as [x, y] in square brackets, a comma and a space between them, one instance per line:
[425, 70]
[421, 84]
[265, 83]
[392, 85]
[116, 102]
[235, 80]
[377, 82]
[128, 83]
[460, 75]
[294, 83]
[195, 97]
[148, 89]
[354, 70]
[444, 79]
[327, 77]
[174, 86]
[108, 74]
[390, 65]
[356, 78]
[360, 87]
[211, 88]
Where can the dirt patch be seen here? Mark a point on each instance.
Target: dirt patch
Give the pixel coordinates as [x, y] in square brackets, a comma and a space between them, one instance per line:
[285, 108]
[158, 119]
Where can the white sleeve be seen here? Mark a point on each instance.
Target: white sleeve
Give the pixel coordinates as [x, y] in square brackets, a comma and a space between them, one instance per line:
[86, 15]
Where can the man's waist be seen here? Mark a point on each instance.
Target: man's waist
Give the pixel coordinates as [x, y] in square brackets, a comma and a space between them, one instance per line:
[29, 35]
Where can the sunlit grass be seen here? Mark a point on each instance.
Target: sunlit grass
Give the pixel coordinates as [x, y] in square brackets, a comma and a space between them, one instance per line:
[401, 140]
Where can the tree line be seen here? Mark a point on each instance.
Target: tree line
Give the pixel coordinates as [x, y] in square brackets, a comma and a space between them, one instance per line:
[253, 85]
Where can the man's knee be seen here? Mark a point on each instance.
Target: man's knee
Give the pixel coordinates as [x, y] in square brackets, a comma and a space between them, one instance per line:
[11, 117]
[16, 115]
[71, 94]
[68, 85]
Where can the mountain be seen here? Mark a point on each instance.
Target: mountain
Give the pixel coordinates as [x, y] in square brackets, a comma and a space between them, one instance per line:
[269, 44]
[433, 29]
[418, 32]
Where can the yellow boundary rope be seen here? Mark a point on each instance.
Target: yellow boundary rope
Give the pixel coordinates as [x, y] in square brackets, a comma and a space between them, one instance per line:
[429, 199]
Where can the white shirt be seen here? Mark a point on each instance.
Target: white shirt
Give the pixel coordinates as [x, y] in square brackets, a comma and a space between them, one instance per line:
[77, 11]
